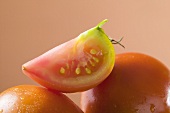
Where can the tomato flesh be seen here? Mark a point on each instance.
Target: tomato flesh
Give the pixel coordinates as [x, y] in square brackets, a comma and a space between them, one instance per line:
[76, 65]
[82, 60]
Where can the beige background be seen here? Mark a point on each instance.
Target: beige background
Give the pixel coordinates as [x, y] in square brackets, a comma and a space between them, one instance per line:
[28, 28]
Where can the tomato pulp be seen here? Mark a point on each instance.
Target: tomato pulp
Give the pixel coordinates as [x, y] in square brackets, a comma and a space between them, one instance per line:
[138, 84]
[76, 65]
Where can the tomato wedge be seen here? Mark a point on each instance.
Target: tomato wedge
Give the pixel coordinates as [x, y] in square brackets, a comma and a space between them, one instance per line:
[76, 65]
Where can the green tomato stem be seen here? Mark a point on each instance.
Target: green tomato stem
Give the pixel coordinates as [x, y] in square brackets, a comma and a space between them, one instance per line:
[102, 23]
[112, 40]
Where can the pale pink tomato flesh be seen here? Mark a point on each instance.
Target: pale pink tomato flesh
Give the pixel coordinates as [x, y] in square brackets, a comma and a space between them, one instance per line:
[76, 65]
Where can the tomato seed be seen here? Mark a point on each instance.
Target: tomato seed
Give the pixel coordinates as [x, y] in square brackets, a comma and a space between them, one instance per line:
[62, 70]
[88, 71]
[78, 71]
[93, 51]
[95, 59]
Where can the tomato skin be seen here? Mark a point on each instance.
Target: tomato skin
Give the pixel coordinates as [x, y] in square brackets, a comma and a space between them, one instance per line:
[34, 99]
[138, 84]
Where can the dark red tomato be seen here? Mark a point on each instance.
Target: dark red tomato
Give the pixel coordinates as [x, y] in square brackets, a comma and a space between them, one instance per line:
[34, 99]
[138, 84]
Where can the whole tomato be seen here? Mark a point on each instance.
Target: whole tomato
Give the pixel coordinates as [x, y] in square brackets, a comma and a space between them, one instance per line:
[34, 99]
[138, 84]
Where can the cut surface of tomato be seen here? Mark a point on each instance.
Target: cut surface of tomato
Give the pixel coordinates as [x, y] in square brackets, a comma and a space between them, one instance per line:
[76, 65]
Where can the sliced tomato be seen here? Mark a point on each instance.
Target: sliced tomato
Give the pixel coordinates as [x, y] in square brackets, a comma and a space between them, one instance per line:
[76, 65]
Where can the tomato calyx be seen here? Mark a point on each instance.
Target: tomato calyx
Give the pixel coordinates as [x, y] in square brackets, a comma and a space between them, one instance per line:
[117, 42]
[99, 26]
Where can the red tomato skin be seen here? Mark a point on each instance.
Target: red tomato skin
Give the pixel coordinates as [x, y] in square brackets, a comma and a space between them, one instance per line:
[138, 84]
[35, 99]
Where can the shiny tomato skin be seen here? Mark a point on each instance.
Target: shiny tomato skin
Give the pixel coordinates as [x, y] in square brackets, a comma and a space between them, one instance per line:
[138, 84]
[34, 99]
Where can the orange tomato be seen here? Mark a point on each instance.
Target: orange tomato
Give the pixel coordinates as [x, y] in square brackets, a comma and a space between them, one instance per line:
[138, 84]
[34, 99]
